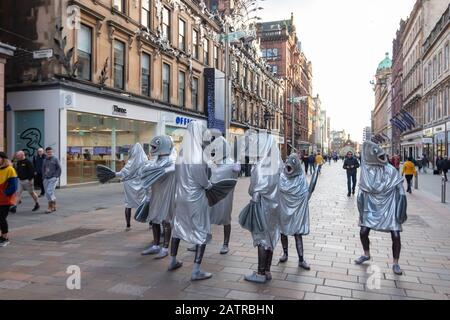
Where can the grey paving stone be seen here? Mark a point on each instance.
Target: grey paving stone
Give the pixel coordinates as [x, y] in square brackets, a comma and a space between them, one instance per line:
[128, 289]
[12, 284]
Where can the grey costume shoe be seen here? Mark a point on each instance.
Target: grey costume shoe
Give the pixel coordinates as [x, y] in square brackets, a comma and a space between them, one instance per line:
[397, 270]
[224, 250]
[304, 265]
[174, 266]
[283, 258]
[192, 249]
[152, 250]
[362, 259]
[162, 254]
[255, 277]
[200, 275]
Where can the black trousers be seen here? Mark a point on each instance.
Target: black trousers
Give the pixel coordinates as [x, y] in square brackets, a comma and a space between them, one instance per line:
[409, 178]
[351, 178]
[39, 182]
[3, 215]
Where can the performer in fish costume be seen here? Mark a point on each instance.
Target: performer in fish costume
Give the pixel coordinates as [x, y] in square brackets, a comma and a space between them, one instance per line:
[222, 167]
[191, 223]
[134, 194]
[261, 216]
[381, 201]
[294, 194]
[158, 179]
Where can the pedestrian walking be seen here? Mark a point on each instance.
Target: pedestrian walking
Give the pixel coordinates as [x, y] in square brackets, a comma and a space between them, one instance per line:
[305, 160]
[51, 171]
[25, 172]
[8, 189]
[409, 171]
[319, 161]
[445, 167]
[425, 162]
[381, 202]
[312, 163]
[38, 161]
[351, 164]
[395, 161]
[440, 164]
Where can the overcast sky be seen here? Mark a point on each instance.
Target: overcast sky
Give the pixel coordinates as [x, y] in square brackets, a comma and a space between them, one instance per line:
[345, 40]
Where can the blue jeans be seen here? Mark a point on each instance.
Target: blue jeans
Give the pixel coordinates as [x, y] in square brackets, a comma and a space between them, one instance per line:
[351, 178]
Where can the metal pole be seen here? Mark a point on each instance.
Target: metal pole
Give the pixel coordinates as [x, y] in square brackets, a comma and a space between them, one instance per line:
[227, 78]
[293, 119]
[443, 189]
[416, 181]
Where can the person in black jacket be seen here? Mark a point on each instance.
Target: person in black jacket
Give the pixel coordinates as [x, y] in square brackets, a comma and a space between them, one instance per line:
[351, 164]
[38, 161]
[25, 173]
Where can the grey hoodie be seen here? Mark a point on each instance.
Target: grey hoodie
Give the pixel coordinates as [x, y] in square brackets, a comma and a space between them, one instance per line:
[51, 168]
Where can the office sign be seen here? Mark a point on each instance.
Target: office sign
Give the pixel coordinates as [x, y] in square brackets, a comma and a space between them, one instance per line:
[43, 54]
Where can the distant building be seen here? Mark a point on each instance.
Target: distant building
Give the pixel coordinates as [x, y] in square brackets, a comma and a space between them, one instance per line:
[367, 134]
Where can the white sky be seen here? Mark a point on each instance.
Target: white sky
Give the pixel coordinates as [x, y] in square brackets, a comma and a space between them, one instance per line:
[345, 40]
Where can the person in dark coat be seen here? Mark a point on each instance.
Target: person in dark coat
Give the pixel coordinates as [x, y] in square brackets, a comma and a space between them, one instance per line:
[351, 164]
[445, 167]
[38, 161]
[306, 162]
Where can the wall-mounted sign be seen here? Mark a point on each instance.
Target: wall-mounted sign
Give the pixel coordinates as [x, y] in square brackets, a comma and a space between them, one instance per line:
[119, 111]
[215, 98]
[438, 129]
[427, 140]
[43, 54]
[68, 100]
[428, 132]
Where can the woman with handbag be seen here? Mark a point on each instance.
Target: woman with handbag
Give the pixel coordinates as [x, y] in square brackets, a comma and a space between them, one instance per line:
[381, 201]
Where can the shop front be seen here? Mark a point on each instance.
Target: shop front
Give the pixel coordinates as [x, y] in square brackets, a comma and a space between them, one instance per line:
[84, 130]
[174, 125]
[412, 145]
[440, 145]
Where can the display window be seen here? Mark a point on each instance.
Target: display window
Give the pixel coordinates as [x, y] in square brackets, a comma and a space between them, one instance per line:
[95, 139]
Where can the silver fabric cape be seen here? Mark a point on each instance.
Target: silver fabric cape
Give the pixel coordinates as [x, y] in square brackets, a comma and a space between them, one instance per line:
[161, 193]
[380, 190]
[192, 221]
[263, 187]
[293, 194]
[134, 193]
[223, 168]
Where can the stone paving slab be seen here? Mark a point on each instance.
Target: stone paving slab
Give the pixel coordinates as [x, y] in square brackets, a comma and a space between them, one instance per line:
[112, 267]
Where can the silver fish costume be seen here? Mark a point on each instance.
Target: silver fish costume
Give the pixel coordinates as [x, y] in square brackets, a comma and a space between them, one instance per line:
[294, 195]
[222, 167]
[261, 215]
[381, 201]
[158, 179]
[134, 193]
[191, 222]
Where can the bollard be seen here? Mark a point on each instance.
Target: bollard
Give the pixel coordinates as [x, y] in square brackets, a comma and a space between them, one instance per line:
[443, 189]
[416, 181]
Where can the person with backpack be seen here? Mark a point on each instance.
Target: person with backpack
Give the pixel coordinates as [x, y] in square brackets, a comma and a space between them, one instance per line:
[8, 188]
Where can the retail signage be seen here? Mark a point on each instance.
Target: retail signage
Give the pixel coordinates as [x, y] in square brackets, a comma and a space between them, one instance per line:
[427, 140]
[428, 132]
[438, 129]
[119, 111]
[215, 98]
[68, 100]
[183, 121]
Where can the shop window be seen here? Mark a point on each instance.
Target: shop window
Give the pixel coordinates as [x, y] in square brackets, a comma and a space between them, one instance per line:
[119, 64]
[84, 52]
[146, 14]
[195, 43]
[181, 35]
[166, 83]
[165, 23]
[181, 88]
[145, 74]
[96, 139]
[195, 94]
[446, 56]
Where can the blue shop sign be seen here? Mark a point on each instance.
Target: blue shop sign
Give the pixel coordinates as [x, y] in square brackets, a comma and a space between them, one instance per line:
[183, 121]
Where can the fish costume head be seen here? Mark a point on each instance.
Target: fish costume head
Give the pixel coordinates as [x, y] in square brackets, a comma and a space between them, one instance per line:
[161, 146]
[373, 155]
[219, 150]
[292, 166]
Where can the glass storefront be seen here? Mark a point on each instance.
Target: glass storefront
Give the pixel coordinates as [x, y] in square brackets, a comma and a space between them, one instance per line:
[95, 139]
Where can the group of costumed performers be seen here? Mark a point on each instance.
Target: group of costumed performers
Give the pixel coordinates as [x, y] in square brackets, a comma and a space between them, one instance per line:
[182, 195]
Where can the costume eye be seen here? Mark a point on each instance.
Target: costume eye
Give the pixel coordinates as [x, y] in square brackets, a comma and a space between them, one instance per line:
[294, 162]
[158, 142]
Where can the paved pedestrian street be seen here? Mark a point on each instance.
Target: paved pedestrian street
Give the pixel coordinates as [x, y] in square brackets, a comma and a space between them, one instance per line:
[35, 264]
